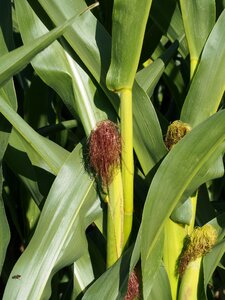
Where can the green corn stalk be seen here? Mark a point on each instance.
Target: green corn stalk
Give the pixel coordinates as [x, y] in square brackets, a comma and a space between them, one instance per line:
[128, 27]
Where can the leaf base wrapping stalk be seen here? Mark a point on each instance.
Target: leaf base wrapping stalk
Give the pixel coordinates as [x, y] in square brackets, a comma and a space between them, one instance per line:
[126, 118]
[190, 228]
[189, 283]
[173, 244]
[104, 162]
[115, 220]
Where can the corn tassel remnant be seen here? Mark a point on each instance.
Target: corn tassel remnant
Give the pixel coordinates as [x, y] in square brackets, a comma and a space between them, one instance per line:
[175, 132]
[201, 241]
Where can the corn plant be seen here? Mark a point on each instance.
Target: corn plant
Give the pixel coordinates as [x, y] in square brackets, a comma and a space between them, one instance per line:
[112, 137]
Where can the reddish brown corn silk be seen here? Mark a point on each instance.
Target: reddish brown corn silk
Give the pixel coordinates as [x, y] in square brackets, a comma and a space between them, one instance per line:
[133, 291]
[104, 148]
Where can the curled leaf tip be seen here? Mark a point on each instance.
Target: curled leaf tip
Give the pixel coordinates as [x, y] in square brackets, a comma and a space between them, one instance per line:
[104, 151]
[175, 132]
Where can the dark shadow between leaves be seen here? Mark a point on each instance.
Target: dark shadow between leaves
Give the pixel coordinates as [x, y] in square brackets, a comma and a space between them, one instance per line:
[19, 162]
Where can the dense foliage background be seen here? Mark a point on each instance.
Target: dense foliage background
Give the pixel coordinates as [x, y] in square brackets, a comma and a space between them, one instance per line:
[52, 219]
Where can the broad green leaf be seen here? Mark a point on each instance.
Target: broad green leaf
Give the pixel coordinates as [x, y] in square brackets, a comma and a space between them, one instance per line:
[161, 286]
[92, 44]
[208, 83]
[153, 265]
[52, 155]
[83, 274]
[14, 61]
[147, 126]
[199, 19]
[59, 70]
[212, 169]
[86, 36]
[171, 181]
[128, 27]
[59, 238]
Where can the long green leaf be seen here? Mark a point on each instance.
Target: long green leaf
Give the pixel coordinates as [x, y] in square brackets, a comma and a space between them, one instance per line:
[59, 238]
[147, 125]
[198, 18]
[171, 181]
[14, 61]
[52, 154]
[60, 71]
[161, 286]
[83, 274]
[128, 28]
[208, 84]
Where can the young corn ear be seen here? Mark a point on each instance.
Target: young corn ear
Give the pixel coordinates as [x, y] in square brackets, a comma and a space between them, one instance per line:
[104, 159]
[174, 232]
[196, 246]
[104, 151]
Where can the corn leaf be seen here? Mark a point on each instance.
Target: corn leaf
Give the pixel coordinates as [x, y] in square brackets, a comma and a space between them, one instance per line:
[14, 61]
[59, 70]
[70, 207]
[205, 13]
[175, 178]
[52, 155]
[208, 83]
[126, 43]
